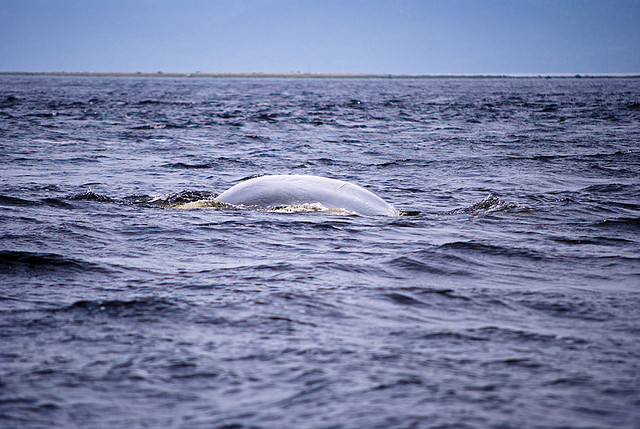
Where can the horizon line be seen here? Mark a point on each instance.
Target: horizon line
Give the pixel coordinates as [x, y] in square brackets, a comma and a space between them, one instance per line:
[326, 75]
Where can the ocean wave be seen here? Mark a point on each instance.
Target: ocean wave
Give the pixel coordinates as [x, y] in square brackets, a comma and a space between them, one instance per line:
[6, 200]
[13, 260]
[138, 308]
[491, 204]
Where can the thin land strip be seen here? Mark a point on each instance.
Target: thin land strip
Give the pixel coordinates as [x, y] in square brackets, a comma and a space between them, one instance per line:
[301, 75]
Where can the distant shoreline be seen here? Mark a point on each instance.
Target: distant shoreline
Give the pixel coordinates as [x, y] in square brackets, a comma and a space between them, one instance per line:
[296, 75]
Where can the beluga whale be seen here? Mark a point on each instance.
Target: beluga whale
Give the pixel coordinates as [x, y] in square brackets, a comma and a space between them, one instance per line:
[274, 191]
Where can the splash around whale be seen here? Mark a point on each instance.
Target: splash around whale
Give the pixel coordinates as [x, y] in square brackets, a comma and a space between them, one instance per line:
[274, 191]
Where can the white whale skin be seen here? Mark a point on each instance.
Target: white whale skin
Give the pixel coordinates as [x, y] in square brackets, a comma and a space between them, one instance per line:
[297, 189]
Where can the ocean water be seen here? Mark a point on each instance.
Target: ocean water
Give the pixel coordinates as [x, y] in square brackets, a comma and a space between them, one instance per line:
[506, 296]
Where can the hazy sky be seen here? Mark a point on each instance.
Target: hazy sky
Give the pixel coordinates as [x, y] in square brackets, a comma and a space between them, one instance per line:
[354, 36]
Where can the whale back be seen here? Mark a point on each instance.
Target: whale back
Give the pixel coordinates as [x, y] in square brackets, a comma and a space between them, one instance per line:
[292, 190]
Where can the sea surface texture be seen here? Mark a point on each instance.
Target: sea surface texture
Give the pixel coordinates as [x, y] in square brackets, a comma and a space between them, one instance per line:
[507, 294]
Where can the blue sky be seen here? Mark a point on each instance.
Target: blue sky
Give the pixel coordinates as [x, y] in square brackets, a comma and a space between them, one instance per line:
[349, 36]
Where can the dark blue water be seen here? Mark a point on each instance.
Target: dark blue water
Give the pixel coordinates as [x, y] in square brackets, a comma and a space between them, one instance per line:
[508, 297]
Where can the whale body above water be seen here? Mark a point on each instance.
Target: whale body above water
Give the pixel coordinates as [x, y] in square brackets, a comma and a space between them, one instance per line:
[297, 189]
